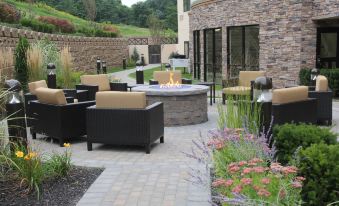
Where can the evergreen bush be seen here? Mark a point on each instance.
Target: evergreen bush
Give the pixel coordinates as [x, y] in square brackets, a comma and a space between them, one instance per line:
[21, 70]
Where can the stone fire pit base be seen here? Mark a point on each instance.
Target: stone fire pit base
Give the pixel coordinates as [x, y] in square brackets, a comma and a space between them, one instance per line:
[183, 107]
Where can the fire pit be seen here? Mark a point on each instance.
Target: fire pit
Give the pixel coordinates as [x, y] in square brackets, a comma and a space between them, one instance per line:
[183, 104]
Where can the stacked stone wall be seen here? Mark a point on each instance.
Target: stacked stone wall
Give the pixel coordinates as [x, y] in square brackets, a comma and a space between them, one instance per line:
[287, 30]
[84, 50]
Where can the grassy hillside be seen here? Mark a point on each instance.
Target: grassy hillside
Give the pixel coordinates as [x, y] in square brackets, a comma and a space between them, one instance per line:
[39, 9]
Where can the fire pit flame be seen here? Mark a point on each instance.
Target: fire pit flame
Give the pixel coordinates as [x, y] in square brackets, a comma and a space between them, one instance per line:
[171, 84]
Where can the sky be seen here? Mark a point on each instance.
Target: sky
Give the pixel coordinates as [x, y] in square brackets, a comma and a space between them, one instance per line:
[130, 2]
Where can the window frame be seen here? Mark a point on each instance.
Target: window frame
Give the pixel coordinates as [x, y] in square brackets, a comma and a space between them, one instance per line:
[187, 5]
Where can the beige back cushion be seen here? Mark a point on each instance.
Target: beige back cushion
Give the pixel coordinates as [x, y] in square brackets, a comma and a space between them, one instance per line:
[100, 80]
[287, 95]
[163, 77]
[51, 96]
[35, 85]
[121, 100]
[245, 77]
[321, 84]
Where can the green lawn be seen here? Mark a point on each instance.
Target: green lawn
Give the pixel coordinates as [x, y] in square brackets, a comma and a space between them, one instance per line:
[40, 9]
[117, 69]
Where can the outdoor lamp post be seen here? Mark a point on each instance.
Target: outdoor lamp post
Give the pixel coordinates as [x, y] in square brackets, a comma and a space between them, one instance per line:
[51, 76]
[104, 67]
[314, 75]
[142, 59]
[168, 67]
[15, 111]
[124, 65]
[98, 65]
[140, 72]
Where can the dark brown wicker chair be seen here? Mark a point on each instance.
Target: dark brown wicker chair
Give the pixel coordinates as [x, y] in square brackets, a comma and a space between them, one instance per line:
[126, 126]
[59, 121]
[293, 105]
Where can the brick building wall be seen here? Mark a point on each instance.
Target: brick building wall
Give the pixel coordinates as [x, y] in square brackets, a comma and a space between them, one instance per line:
[287, 36]
[84, 50]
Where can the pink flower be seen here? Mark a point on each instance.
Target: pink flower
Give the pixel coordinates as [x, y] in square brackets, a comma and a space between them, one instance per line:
[276, 167]
[252, 164]
[222, 182]
[296, 184]
[233, 169]
[216, 143]
[265, 181]
[289, 170]
[256, 160]
[246, 181]
[282, 194]
[263, 192]
[247, 170]
[256, 188]
[242, 163]
[258, 169]
[228, 183]
[237, 189]
[300, 179]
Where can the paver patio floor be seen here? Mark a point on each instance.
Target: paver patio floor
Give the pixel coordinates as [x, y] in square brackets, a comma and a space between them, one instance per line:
[132, 177]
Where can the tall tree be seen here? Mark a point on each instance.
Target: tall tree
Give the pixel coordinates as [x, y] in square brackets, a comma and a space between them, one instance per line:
[91, 9]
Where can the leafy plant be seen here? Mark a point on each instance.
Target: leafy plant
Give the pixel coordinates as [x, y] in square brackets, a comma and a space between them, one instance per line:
[254, 183]
[135, 56]
[8, 13]
[37, 25]
[288, 137]
[66, 67]
[305, 76]
[319, 165]
[35, 63]
[21, 71]
[240, 112]
[60, 165]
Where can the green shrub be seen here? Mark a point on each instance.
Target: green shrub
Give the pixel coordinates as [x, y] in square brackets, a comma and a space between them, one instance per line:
[38, 26]
[21, 70]
[319, 165]
[305, 77]
[8, 13]
[62, 25]
[333, 78]
[135, 56]
[288, 137]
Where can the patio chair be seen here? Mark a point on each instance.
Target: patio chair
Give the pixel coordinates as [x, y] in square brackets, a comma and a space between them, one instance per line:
[244, 84]
[164, 77]
[120, 118]
[99, 83]
[33, 86]
[293, 105]
[324, 97]
[57, 118]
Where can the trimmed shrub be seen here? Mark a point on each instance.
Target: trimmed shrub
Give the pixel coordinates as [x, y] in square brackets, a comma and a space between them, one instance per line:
[8, 13]
[288, 137]
[62, 25]
[21, 70]
[38, 26]
[305, 77]
[101, 33]
[319, 165]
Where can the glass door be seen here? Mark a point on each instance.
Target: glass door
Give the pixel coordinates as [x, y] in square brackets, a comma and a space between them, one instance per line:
[327, 48]
[213, 55]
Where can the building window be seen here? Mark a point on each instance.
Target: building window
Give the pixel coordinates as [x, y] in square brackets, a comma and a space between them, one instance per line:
[187, 5]
[243, 49]
[213, 55]
[187, 49]
[196, 55]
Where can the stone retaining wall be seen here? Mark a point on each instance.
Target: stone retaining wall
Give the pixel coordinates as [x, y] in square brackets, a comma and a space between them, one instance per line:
[84, 50]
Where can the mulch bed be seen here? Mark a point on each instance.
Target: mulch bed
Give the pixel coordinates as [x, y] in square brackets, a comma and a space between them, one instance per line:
[64, 191]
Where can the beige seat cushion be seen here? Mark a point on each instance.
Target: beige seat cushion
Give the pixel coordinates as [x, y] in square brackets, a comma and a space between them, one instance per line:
[35, 85]
[100, 80]
[287, 95]
[245, 77]
[121, 100]
[321, 84]
[51, 96]
[239, 90]
[163, 77]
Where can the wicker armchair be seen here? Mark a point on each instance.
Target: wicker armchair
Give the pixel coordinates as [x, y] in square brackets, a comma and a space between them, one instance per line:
[164, 77]
[56, 118]
[244, 84]
[123, 119]
[324, 100]
[293, 105]
[99, 83]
